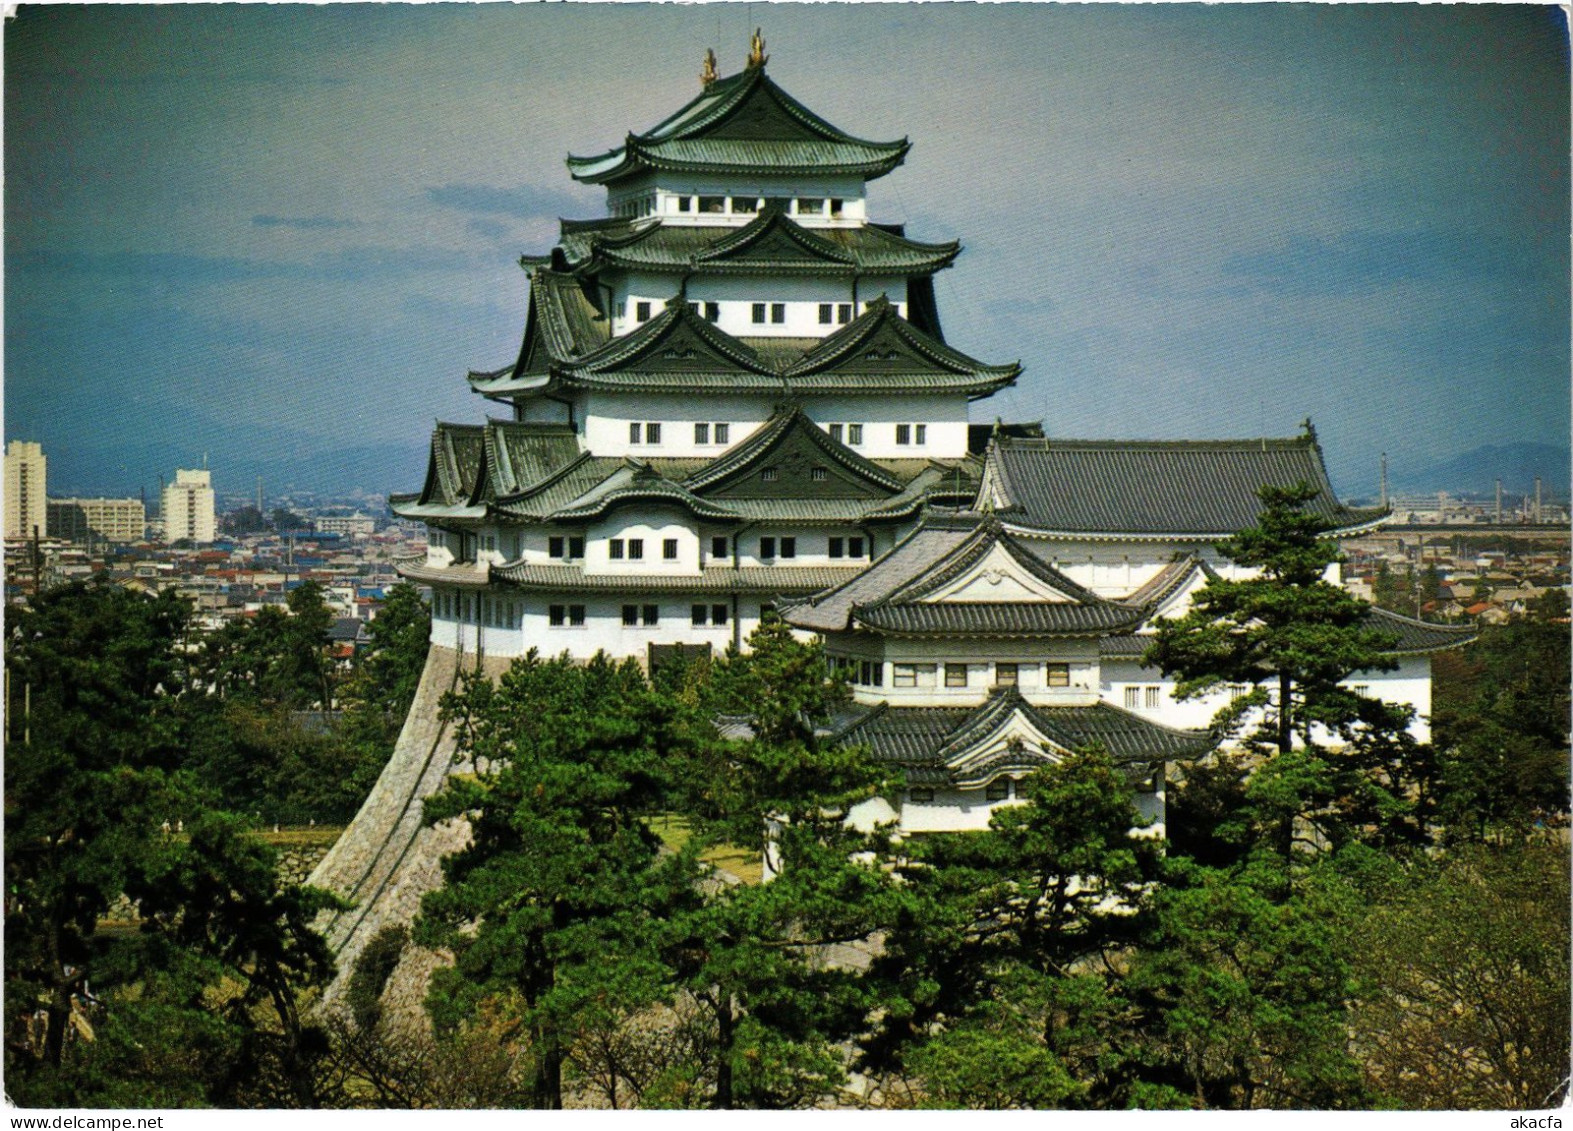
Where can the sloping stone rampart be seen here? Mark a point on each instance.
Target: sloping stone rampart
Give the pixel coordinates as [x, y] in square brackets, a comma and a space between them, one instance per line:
[387, 859]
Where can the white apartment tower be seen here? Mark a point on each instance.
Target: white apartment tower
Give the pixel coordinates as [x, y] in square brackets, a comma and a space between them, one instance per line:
[188, 508]
[25, 466]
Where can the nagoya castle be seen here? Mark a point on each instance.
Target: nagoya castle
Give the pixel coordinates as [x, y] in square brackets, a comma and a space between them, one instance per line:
[734, 395]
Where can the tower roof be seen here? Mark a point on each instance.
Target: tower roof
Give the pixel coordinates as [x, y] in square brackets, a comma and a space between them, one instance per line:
[743, 124]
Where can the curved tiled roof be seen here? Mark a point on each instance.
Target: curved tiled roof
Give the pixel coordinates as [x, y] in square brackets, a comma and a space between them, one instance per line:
[995, 619]
[1205, 489]
[927, 741]
[742, 124]
[771, 243]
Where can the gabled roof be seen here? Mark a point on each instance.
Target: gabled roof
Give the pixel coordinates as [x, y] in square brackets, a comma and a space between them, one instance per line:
[903, 594]
[1203, 489]
[772, 243]
[788, 423]
[742, 124]
[941, 745]
[674, 350]
[880, 348]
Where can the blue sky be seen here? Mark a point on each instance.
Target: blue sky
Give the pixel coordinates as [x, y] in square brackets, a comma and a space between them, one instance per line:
[282, 234]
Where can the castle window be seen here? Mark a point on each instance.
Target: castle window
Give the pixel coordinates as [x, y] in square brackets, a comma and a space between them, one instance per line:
[1151, 698]
[669, 550]
[998, 790]
[635, 433]
[818, 474]
[642, 311]
[836, 206]
[1059, 675]
[722, 433]
[767, 547]
[712, 312]
[718, 614]
[685, 204]
[903, 675]
[854, 547]
[1006, 675]
[955, 675]
[652, 433]
[651, 615]
[636, 549]
[560, 615]
[575, 548]
[903, 433]
[770, 475]
[614, 549]
[810, 206]
[836, 548]
[843, 313]
[630, 616]
[745, 204]
[576, 616]
[854, 434]
[920, 795]
[700, 616]
[712, 204]
[758, 313]
[789, 547]
[701, 433]
[556, 546]
[836, 431]
[778, 312]
[826, 313]
[718, 547]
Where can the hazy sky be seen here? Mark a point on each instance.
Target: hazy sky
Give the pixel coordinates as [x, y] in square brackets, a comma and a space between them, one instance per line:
[293, 229]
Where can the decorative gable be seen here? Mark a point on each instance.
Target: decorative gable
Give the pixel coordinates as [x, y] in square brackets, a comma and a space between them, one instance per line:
[975, 757]
[998, 577]
[797, 466]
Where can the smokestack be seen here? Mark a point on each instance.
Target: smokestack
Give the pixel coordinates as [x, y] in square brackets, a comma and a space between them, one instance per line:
[259, 494]
[1499, 502]
[1537, 498]
[1384, 480]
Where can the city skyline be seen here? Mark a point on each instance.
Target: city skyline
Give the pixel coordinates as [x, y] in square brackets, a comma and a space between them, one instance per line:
[1186, 222]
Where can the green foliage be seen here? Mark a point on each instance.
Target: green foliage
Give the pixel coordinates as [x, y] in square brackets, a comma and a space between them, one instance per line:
[88, 780]
[1243, 988]
[375, 965]
[1502, 717]
[1010, 942]
[558, 904]
[1285, 629]
[1465, 993]
[754, 956]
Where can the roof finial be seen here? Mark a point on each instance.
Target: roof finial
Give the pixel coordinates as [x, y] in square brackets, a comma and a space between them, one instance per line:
[756, 51]
[1310, 429]
[708, 74]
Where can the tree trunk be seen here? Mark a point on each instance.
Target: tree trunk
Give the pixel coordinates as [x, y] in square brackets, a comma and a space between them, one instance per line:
[725, 1035]
[1285, 731]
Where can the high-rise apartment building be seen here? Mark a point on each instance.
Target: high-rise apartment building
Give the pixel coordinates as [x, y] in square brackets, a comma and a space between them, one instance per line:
[25, 467]
[188, 508]
[97, 520]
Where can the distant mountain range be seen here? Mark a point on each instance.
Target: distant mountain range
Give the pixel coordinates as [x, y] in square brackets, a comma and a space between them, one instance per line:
[1476, 471]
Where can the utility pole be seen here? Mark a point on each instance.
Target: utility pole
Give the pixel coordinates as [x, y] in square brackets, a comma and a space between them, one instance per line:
[1499, 502]
[1384, 481]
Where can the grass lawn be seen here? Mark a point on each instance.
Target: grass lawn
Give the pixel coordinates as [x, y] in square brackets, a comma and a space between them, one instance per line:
[746, 865]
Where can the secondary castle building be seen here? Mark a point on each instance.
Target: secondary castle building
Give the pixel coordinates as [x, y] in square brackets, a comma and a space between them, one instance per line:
[733, 388]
